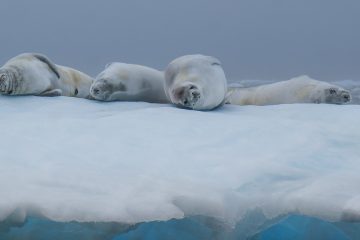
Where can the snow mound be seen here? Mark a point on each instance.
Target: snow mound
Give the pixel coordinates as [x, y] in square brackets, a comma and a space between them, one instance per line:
[74, 159]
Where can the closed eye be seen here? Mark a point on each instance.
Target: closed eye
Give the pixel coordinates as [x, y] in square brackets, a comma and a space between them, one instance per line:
[215, 64]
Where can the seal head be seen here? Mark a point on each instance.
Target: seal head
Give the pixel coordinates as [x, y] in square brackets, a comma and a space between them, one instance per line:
[335, 95]
[9, 81]
[196, 82]
[105, 89]
[187, 96]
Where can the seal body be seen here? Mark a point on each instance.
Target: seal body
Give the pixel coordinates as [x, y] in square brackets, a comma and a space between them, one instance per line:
[129, 82]
[196, 82]
[297, 90]
[35, 74]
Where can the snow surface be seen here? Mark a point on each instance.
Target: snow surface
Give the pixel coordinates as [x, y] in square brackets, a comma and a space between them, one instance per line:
[75, 159]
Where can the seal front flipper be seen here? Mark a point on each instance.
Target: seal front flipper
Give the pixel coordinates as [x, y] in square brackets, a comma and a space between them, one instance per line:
[227, 99]
[45, 60]
[51, 93]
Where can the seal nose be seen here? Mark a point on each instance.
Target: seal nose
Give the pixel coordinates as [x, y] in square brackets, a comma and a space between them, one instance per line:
[96, 91]
[195, 95]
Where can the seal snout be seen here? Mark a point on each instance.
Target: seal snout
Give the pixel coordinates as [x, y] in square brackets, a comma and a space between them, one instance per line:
[186, 96]
[95, 91]
[346, 96]
[99, 91]
[4, 84]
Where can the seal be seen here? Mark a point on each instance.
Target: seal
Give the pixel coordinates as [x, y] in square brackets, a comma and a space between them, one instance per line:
[129, 82]
[301, 89]
[196, 82]
[35, 74]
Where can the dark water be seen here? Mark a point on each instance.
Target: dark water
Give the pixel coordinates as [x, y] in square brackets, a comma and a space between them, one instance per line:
[254, 226]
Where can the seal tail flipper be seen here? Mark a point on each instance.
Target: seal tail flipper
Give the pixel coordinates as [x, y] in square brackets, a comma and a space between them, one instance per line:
[45, 60]
[51, 93]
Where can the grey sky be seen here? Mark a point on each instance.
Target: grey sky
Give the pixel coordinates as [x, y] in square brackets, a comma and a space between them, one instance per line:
[254, 39]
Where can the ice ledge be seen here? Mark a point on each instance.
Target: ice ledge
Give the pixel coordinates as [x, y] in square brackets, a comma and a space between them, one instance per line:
[132, 162]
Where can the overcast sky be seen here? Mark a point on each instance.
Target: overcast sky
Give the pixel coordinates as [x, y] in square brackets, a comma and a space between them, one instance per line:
[254, 39]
